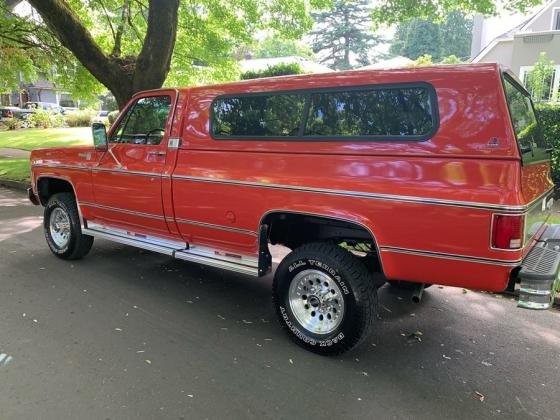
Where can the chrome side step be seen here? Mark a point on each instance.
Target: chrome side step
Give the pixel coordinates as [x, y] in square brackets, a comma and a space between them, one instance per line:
[208, 256]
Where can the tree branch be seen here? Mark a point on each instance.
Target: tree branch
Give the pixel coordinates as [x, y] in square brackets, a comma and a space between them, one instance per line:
[155, 58]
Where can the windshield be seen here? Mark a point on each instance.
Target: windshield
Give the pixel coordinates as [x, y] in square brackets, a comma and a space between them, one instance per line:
[525, 124]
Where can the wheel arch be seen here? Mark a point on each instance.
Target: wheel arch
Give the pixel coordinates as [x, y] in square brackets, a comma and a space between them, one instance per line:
[268, 219]
[48, 185]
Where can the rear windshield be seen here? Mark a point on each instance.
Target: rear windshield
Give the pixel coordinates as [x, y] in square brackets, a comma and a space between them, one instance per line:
[531, 142]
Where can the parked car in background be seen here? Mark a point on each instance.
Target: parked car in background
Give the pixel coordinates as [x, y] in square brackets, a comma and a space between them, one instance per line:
[12, 112]
[102, 117]
[46, 106]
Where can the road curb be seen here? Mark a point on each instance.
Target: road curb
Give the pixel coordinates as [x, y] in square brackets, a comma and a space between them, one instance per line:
[16, 185]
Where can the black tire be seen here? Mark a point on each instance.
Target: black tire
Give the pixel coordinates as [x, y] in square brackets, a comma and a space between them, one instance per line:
[78, 244]
[405, 285]
[356, 287]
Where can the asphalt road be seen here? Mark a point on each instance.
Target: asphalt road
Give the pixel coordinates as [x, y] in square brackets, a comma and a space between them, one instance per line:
[131, 334]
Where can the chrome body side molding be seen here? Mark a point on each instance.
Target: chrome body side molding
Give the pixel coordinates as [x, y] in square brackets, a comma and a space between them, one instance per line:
[244, 264]
[466, 258]
[317, 190]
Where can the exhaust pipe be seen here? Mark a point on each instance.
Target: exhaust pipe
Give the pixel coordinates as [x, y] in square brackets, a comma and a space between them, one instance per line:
[417, 293]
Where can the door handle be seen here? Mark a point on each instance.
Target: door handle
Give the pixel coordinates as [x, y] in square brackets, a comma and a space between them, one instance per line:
[158, 153]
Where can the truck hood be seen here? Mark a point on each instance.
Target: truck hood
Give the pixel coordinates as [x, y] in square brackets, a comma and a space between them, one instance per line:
[72, 156]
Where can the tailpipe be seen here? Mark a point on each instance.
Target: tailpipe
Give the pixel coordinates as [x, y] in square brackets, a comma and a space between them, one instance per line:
[417, 293]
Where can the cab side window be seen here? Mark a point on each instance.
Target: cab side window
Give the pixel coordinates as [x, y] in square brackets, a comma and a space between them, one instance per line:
[144, 122]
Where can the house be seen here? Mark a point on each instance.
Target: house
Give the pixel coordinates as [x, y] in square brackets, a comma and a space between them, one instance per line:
[41, 90]
[519, 47]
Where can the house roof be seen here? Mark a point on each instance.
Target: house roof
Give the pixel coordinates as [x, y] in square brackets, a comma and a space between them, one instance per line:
[392, 63]
[523, 27]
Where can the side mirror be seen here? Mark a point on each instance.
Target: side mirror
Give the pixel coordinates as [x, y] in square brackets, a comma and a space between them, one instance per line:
[99, 136]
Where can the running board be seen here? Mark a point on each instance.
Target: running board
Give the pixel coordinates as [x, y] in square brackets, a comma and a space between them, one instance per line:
[180, 250]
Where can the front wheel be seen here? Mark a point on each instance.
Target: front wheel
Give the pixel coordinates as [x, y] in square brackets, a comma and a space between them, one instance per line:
[62, 228]
[325, 298]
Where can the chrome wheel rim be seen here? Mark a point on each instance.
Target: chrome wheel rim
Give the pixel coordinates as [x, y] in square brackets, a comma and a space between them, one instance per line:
[316, 301]
[59, 227]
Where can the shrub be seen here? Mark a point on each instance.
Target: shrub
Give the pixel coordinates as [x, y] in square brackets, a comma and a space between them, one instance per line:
[80, 118]
[112, 116]
[40, 119]
[12, 123]
[549, 118]
[272, 71]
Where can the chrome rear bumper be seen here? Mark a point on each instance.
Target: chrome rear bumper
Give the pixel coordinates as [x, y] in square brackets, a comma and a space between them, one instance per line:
[539, 271]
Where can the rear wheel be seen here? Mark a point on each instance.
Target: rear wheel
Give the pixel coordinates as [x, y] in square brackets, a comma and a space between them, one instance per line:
[325, 298]
[62, 228]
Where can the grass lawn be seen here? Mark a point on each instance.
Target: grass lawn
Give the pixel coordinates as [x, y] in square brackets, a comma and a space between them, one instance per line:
[15, 169]
[33, 138]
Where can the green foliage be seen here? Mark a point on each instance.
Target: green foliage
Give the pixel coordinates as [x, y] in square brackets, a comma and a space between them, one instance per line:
[398, 11]
[539, 79]
[112, 117]
[417, 37]
[15, 169]
[343, 34]
[451, 59]
[45, 119]
[549, 119]
[423, 60]
[272, 71]
[12, 123]
[208, 33]
[280, 47]
[80, 118]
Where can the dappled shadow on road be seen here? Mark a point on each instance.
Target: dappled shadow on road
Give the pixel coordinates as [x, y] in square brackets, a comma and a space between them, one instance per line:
[18, 226]
[428, 358]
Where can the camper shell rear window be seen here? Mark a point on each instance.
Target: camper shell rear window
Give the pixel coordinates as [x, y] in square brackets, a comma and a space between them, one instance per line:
[528, 132]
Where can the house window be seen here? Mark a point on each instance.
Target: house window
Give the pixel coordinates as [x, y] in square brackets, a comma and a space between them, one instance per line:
[556, 19]
[548, 90]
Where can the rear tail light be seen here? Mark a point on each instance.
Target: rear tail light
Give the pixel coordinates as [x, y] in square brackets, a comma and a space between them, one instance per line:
[507, 231]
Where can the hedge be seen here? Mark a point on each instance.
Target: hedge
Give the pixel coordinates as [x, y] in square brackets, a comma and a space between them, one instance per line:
[282, 69]
[549, 119]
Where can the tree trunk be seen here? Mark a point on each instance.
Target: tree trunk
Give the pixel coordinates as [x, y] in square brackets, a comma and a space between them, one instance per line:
[123, 76]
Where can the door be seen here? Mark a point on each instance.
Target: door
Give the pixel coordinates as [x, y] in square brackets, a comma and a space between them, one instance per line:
[127, 182]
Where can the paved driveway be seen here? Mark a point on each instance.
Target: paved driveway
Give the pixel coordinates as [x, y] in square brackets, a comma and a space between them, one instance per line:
[131, 334]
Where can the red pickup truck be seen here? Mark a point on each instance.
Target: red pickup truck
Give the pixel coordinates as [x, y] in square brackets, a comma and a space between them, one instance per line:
[415, 176]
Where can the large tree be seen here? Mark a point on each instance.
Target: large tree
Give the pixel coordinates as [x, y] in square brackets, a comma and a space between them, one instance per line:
[398, 11]
[417, 37]
[344, 34]
[132, 45]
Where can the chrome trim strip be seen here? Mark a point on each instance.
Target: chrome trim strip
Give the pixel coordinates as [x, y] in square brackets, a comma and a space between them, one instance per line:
[359, 194]
[98, 169]
[126, 172]
[443, 255]
[213, 226]
[60, 166]
[134, 213]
